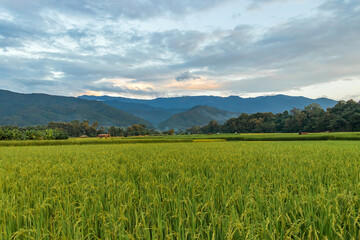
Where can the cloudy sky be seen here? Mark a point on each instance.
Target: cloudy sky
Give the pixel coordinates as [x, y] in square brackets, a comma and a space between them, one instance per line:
[160, 48]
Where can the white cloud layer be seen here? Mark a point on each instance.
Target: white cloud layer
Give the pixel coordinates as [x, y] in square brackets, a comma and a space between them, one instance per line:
[172, 48]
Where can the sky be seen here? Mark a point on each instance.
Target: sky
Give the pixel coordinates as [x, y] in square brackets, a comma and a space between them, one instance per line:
[165, 48]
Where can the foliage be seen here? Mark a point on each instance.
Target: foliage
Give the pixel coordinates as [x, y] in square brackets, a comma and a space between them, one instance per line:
[75, 128]
[14, 133]
[134, 130]
[61, 130]
[169, 132]
[344, 116]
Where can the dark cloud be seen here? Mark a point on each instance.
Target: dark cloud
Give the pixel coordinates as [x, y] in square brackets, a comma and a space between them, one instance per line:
[185, 76]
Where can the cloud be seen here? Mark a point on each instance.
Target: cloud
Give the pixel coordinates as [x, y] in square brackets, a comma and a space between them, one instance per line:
[66, 47]
[303, 52]
[186, 76]
[135, 9]
[122, 87]
[198, 84]
[256, 4]
[180, 42]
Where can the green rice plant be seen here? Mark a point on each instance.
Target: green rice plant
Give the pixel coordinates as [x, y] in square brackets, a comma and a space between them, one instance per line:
[203, 190]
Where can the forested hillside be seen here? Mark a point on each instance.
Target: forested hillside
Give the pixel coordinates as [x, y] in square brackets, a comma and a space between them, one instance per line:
[344, 116]
[39, 109]
[198, 115]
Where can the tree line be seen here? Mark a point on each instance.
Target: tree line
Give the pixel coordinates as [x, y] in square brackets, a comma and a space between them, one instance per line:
[343, 117]
[31, 133]
[78, 129]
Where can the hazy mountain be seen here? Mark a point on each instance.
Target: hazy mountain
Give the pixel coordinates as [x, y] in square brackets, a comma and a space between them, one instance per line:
[32, 109]
[160, 109]
[198, 115]
[274, 104]
[152, 114]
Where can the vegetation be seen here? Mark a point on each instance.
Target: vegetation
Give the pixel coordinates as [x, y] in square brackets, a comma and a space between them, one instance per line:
[93, 141]
[61, 130]
[190, 138]
[76, 128]
[202, 190]
[344, 117]
[15, 133]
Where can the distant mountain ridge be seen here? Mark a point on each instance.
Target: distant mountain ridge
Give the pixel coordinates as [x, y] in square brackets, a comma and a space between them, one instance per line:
[22, 110]
[196, 116]
[152, 114]
[178, 112]
[274, 104]
[161, 109]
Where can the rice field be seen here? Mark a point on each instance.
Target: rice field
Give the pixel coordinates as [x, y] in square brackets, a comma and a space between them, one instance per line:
[337, 136]
[183, 190]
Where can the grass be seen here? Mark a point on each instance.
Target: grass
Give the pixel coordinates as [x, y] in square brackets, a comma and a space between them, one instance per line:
[203, 190]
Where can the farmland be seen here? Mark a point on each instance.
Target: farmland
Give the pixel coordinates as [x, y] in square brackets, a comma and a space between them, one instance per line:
[190, 138]
[181, 190]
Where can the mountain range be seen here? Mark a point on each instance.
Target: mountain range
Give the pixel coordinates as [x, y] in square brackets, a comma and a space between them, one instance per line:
[196, 116]
[163, 113]
[274, 104]
[160, 111]
[22, 110]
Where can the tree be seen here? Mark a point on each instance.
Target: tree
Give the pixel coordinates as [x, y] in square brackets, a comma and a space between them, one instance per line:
[315, 118]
